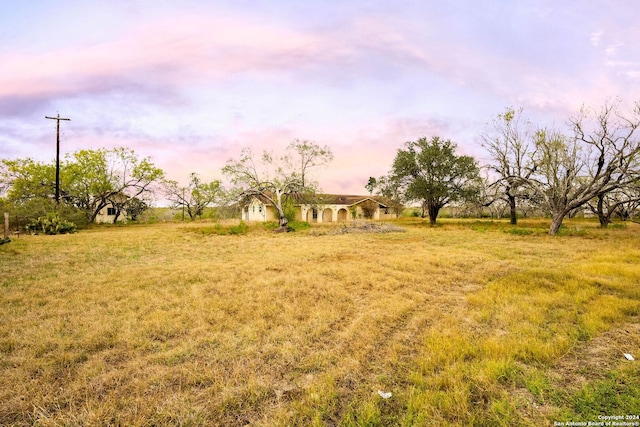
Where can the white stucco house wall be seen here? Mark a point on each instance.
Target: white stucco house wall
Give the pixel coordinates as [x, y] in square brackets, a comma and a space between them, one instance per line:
[107, 214]
[259, 209]
[326, 208]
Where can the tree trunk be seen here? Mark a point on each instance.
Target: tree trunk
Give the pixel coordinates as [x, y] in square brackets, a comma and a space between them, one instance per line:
[282, 219]
[604, 219]
[624, 214]
[94, 213]
[556, 223]
[433, 214]
[512, 208]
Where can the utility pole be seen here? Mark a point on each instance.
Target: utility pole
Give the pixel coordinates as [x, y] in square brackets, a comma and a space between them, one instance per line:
[58, 118]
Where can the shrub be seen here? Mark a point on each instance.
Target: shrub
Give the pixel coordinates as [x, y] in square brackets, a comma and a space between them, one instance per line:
[369, 208]
[410, 213]
[289, 208]
[50, 224]
[30, 211]
[221, 230]
[299, 225]
[238, 229]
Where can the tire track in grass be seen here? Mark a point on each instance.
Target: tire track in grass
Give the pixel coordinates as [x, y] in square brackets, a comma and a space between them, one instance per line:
[390, 342]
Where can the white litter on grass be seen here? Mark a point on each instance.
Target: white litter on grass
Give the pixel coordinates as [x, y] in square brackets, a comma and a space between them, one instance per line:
[384, 395]
[628, 356]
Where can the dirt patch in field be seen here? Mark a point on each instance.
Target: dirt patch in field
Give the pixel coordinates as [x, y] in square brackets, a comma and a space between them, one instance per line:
[359, 227]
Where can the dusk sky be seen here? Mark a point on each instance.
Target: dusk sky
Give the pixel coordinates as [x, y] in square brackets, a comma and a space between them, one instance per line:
[190, 83]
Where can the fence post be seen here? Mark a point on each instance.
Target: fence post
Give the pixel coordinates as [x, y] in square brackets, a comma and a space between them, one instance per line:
[6, 225]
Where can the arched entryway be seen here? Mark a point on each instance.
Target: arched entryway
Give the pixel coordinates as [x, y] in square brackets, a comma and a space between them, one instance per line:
[342, 214]
[312, 215]
[327, 215]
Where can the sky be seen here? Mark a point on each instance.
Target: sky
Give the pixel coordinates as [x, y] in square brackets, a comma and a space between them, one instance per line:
[190, 83]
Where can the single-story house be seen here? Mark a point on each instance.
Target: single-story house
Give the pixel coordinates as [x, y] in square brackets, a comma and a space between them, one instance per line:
[324, 208]
[108, 213]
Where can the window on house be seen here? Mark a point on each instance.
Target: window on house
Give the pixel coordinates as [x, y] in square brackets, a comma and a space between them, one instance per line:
[260, 209]
[315, 213]
[111, 211]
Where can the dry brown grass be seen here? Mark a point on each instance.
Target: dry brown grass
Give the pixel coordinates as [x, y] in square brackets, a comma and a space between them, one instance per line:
[165, 325]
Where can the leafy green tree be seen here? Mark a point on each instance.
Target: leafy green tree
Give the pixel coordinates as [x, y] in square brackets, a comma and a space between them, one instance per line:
[29, 187]
[89, 181]
[136, 207]
[371, 185]
[93, 179]
[27, 179]
[430, 171]
[195, 196]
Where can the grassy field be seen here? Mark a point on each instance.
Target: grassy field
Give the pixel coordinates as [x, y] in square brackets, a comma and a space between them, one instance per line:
[468, 323]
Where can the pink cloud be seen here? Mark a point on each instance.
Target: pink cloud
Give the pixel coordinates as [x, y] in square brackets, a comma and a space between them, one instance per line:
[160, 51]
[362, 151]
[191, 49]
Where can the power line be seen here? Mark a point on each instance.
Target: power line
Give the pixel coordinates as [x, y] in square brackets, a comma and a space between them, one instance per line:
[58, 118]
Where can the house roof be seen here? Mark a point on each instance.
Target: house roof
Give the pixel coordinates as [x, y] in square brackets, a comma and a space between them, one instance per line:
[345, 199]
[331, 199]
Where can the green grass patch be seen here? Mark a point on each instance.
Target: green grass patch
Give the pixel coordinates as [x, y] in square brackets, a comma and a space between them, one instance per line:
[221, 229]
[520, 231]
[238, 229]
[618, 393]
[295, 225]
[617, 226]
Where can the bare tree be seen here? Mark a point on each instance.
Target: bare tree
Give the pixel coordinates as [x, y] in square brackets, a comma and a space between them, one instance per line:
[599, 158]
[510, 150]
[611, 139]
[308, 155]
[491, 195]
[276, 178]
[195, 196]
[631, 208]
[623, 201]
